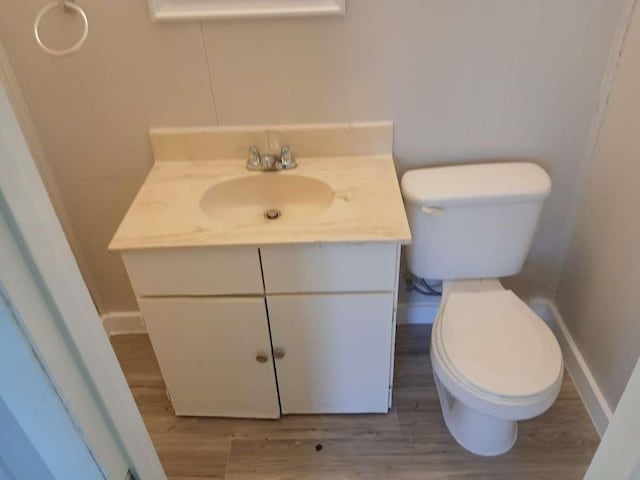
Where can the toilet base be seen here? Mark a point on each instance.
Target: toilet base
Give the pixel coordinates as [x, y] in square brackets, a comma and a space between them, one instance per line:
[476, 432]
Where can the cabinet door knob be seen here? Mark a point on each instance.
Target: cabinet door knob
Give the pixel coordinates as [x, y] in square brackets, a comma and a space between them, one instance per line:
[262, 357]
[278, 353]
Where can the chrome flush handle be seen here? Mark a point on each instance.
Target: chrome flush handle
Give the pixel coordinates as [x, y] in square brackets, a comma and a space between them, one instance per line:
[433, 211]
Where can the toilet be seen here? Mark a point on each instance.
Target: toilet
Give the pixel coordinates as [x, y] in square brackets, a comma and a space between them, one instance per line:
[495, 362]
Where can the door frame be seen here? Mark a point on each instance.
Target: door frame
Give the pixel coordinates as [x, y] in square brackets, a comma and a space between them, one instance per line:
[53, 266]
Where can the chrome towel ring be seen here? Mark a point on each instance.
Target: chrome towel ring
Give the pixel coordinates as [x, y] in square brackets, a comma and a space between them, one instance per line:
[64, 4]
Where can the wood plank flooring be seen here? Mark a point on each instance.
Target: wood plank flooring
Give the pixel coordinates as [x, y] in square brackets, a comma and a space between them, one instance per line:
[409, 443]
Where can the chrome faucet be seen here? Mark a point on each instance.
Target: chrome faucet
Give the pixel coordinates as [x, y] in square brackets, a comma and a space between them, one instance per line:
[270, 162]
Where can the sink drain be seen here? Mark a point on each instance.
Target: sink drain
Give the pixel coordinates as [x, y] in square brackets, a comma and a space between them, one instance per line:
[272, 214]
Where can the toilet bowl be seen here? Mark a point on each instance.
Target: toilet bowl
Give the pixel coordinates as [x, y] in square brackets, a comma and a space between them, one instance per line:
[495, 362]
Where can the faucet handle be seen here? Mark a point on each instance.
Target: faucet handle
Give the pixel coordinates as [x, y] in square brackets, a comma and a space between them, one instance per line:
[254, 161]
[286, 157]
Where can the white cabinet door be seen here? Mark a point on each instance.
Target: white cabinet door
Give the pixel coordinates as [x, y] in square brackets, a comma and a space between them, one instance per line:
[208, 350]
[337, 351]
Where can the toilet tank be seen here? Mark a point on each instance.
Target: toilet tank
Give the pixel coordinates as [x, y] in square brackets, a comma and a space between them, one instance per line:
[472, 221]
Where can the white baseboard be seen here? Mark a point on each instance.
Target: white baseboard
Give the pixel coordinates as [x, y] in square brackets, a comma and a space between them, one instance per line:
[592, 397]
[415, 308]
[121, 323]
[416, 313]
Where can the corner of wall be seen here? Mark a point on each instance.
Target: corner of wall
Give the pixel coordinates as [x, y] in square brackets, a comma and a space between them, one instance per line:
[606, 87]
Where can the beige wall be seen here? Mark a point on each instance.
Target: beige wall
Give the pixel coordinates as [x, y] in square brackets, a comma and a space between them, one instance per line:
[599, 291]
[462, 80]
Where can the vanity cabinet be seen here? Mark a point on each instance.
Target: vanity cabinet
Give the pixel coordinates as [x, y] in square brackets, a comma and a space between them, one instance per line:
[221, 287]
[259, 332]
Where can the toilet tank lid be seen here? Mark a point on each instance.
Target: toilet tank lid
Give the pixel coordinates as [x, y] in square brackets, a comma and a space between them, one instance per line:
[478, 183]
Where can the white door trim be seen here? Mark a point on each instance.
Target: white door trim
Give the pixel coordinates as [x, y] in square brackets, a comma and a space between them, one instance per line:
[45, 243]
[12, 90]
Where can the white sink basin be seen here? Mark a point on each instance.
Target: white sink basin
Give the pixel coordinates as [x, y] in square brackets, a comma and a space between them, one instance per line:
[286, 197]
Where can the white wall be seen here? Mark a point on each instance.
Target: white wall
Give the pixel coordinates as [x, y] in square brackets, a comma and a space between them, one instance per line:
[462, 80]
[598, 293]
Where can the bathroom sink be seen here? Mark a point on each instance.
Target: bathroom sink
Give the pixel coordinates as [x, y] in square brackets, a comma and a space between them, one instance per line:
[267, 197]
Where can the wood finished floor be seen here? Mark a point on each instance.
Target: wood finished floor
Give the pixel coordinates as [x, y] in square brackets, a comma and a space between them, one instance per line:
[409, 443]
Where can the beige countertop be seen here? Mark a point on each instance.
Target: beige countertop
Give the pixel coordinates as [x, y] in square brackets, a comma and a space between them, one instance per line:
[166, 212]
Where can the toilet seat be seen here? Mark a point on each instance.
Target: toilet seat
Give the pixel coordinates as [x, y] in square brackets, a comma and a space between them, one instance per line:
[497, 344]
[478, 394]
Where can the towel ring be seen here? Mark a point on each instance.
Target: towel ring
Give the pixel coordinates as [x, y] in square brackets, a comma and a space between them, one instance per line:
[64, 4]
